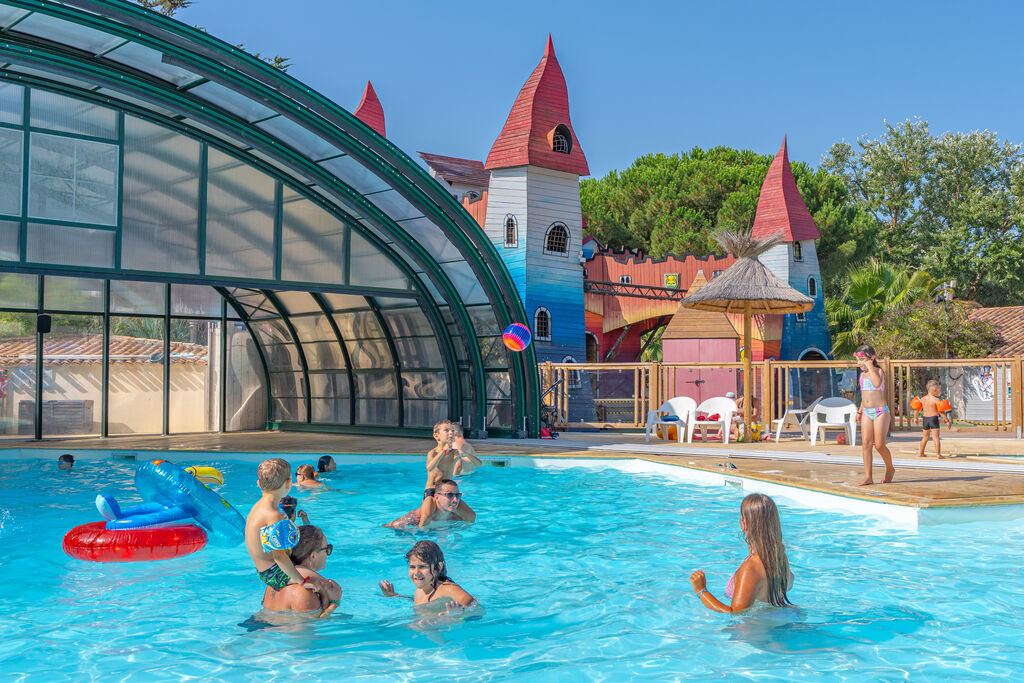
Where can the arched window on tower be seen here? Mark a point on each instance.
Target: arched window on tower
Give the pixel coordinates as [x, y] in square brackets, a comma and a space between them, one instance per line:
[561, 139]
[511, 231]
[812, 287]
[542, 324]
[798, 252]
[556, 240]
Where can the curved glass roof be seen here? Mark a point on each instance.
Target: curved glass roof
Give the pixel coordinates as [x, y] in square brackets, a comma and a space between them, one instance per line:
[359, 274]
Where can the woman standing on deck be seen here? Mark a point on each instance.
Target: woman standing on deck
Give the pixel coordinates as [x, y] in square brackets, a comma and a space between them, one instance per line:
[874, 414]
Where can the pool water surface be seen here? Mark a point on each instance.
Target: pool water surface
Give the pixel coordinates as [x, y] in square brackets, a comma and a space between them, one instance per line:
[582, 573]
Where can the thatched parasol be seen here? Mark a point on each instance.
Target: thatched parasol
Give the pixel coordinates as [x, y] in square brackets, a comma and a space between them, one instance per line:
[747, 286]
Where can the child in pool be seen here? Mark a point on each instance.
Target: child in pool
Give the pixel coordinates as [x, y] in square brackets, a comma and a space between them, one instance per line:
[305, 478]
[441, 460]
[428, 573]
[467, 461]
[930, 428]
[269, 534]
[289, 506]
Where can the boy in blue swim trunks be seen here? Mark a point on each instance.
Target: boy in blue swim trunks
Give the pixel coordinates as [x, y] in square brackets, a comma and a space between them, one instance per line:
[269, 534]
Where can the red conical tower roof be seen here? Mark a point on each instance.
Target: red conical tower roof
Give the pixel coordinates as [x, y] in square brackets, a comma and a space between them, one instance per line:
[542, 104]
[369, 110]
[780, 208]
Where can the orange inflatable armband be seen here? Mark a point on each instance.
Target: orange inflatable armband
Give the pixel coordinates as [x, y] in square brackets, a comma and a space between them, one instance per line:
[943, 405]
[915, 403]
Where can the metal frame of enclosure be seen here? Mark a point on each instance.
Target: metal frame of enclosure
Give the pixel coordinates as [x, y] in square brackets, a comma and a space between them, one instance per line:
[143, 150]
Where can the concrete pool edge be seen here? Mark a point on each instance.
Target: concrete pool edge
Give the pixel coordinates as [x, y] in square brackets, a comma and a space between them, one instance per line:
[802, 496]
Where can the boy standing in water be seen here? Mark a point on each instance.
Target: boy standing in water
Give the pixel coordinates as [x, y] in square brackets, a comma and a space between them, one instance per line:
[929, 406]
[441, 462]
[269, 534]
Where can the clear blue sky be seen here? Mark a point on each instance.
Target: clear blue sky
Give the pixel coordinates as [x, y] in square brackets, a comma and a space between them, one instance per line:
[649, 77]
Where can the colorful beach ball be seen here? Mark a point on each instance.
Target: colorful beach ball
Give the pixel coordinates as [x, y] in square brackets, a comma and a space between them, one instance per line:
[517, 337]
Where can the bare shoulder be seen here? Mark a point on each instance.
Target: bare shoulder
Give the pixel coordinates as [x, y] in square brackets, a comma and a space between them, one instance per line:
[452, 590]
[300, 599]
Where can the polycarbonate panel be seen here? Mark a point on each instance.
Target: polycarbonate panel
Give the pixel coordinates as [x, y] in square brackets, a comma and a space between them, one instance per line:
[271, 331]
[358, 325]
[51, 75]
[194, 404]
[288, 409]
[425, 232]
[195, 300]
[12, 103]
[419, 352]
[493, 352]
[19, 369]
[137, 101]
[425, 385]
[286, 384]
[151, 62]
[313, 242]
[499, 386]
[137, 297]
[344, 302]
[313, 328]
[407, 322]
[424, 413]
[68, 115]
[9, 15]
[369, 354]
[297, 303]
[466, 283]
[325, 355]
[64, 246]
[331, 410]
[281, 357]
[10, 237]
[308, 143]
[160, 226]
[239, 219]
[72, 294]
[394, 205]
[500, 415]
[67, 33]
[484, 321]
[328, 384]
[355, 174]
[234, 102]
[377, 412]
[18, 290]
[245, 384]
[370, 268]
[72, 180]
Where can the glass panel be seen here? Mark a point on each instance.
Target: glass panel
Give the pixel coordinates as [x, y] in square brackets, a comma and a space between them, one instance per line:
[282, 357]
[312, 328]
[9, 15]
[329, 384]
[19, 291]
[313, 243]
[301, 139]
[376, 385]
[73, 294]
[359, 325]
[288, 409]
[239, 219]
[484, 321]
[136, 396]
[72, 180]
[272, 331]
[424, 413]
[466, 283]
[72, 376]
[493, 352]
[323, 355]
[51, 75]
[432, 385]
[332, 410]
[17, 365]
[377, 412]
[286, 384]
[499, 386]
[195, 300]
[246, 394]
[355, 175]
[12, 103]
[68, 115]
[160, 229]
[236, 103]
[369, 354]
[370, 268]
[10, 237]
[136, 297]
[343, 302]
[427, 234]
[137, 101]
[500, 415]
[195, 375]
[298, 302]
[394, 205]
[419, 352]
[62, 245]
[408, 322]
[67, 33]
[150, 61]
[11, 163]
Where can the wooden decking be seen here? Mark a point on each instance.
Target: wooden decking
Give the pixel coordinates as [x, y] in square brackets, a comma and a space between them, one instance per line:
[967, 480]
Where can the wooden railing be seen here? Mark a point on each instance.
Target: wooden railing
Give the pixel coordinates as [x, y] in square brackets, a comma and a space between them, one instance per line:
[618, 395]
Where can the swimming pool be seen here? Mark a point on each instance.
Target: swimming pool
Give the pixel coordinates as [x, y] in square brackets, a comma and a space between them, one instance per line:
[583, 574]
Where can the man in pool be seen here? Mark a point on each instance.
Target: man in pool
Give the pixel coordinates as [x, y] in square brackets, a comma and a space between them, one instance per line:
[446, 506]
[66, 461]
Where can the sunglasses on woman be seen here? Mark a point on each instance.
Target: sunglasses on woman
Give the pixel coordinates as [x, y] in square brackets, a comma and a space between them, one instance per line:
[329, 548]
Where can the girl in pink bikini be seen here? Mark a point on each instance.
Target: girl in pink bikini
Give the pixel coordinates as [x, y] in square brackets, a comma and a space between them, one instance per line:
[873, 414]
[764, 576]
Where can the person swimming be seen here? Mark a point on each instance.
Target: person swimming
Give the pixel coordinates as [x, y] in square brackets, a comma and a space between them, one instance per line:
[428, 572]
[446, 505]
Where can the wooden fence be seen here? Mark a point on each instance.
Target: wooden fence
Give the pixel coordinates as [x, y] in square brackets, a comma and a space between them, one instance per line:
[984, 392]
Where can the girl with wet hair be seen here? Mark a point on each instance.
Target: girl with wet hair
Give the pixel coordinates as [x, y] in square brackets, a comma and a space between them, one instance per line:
[429, 573]
[764, 576]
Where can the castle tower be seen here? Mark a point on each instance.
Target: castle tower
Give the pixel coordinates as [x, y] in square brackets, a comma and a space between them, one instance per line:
[369, 110]
[533, 210]
[781, 211]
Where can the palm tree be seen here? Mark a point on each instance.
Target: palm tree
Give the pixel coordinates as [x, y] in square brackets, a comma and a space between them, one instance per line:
[874, 289]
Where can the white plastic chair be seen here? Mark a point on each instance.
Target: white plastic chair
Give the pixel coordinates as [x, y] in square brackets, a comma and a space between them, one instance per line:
[682, 407]
[796, 417]
[725, 407]
[833, 416]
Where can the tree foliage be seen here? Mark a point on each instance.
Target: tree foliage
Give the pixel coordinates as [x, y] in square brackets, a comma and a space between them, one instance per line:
[923, 329]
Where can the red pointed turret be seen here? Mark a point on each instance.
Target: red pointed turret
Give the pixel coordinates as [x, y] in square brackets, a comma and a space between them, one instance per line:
[528, 135]
[780, 208]
[369, 110]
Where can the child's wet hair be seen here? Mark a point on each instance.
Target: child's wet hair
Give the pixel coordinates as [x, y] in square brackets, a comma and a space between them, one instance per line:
[430, 553]
[273, 474]
[306, 471]
[442, 423]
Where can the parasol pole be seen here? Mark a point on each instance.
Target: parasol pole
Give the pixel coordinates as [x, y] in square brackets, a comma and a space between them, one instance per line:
[747, 352]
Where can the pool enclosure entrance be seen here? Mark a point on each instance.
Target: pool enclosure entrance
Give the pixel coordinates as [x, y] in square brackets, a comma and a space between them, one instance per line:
[191, 240]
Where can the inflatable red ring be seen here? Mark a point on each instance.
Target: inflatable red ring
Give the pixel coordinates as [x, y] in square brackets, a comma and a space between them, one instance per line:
[95, 543]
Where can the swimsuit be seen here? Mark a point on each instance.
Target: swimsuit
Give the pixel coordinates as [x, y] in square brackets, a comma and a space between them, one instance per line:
[930, 423]
[867, 385]
[274, 577]
[875, 413]
[731, 584]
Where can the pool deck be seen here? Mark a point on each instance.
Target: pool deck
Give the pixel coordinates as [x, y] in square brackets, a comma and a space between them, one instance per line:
[967, 480]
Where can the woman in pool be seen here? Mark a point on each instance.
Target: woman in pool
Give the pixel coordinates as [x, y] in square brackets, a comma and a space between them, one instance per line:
[873, 414]
[764, 576]
[310, 557]
[428, 573]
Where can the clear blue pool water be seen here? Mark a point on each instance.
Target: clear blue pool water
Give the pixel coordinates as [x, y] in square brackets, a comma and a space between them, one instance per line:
[583, 574]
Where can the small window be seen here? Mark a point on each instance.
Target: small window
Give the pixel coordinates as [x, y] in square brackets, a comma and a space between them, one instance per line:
[812, 286]
[542, 325]
[561, 139]
[625, 279]
[716, 273]
[575, 376]
[801, 317]
[556, 241]
[511, 231]
[798, 252]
